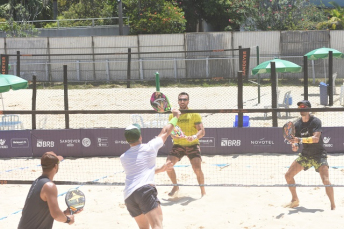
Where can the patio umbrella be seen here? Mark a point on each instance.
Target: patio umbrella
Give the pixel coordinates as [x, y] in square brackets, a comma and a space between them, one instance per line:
[281, 66]
[322, 53]
[8, 82]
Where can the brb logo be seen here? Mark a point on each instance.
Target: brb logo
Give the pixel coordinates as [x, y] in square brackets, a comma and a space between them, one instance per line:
[41, 143]
[326, 142]
[227, 142]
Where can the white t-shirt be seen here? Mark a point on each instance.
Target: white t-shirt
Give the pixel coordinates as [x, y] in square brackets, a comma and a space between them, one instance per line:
[139, 165]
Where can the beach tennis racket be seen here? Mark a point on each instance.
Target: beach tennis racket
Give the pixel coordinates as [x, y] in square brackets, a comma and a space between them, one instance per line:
[75, 200]
[160, 102]
[288, 130]
[177, 131]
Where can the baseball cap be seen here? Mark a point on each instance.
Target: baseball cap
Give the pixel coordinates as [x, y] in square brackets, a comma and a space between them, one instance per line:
[132, 133]
[50, 159]
[305, 102]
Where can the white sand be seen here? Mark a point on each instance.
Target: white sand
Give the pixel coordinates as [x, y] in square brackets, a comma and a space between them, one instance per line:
[222, 207]
[246, 208]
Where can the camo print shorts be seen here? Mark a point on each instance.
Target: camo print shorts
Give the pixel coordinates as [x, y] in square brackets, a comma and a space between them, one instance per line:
[308, 162]
[190, 151]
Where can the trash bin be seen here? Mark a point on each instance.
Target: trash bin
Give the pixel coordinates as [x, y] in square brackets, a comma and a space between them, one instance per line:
[323, 93]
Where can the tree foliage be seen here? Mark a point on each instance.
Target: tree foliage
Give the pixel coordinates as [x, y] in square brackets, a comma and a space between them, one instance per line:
[154, 17]
[18, 13]
[280, 14]
[336, 21]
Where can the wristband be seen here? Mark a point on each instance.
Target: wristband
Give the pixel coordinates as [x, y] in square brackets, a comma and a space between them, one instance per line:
[194, 137]
[173, 121]
[308, 140]
[300, 141]
[68, 219]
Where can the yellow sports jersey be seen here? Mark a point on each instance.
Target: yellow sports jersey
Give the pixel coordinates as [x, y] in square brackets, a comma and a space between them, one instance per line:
[187, 122]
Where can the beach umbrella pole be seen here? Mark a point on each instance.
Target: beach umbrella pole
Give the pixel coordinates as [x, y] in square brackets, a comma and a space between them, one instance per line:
[313, 71]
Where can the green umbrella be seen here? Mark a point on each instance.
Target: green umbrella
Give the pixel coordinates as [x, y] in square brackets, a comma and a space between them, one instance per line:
[322, 53]
[281, 66]
[8, 82]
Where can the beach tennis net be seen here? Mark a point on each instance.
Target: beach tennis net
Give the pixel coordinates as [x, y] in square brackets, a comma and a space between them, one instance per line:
[219, 170]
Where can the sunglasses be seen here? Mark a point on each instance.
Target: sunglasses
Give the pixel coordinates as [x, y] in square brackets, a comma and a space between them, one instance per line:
[302, 106]
[183, 99]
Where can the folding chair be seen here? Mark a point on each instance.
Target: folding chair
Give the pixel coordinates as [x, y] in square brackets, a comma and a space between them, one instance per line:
[11, 122]
[285, 103]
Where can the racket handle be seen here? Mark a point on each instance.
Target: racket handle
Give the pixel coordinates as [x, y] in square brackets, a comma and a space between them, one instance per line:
[157, 81]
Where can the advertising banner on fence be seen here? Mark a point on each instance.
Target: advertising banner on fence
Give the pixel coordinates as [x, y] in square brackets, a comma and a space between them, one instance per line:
[14, 143]
[111, 142]
[66, 143]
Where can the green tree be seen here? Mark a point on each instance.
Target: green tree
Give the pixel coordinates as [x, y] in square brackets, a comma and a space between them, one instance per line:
[336, 19]
[154, 17]
[83, 9]
[220, 14]
[18, 15]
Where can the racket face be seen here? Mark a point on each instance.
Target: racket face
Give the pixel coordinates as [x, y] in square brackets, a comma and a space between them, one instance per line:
[288, 130]
[160, 102]
[177, 131]
[75, 200]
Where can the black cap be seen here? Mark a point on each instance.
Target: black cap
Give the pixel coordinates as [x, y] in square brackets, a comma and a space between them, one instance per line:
[305, 102]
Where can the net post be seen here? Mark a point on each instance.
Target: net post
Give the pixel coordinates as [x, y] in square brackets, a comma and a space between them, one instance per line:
[129, 68]
[305, 77]
[240, 99]
[330, 78]
[34, 96]
[274, 93]
[65, 87]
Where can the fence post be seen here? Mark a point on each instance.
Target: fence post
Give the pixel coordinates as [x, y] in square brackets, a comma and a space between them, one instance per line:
[94, 61]
[305, 77]
[175, 68]
[141, 70]
[257, 48]
[129, 68]
[78, 69]
[107, 70]
[34, 96]
[274, 93]
[207, 66]
[4, 64]
[18, 63]
[65, 87]
[240, 99]
[330, 78]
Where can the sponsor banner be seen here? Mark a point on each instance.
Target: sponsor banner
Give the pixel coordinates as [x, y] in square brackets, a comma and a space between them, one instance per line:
[103, 142]
[333, 139]
[66, 143]
[15, 143]
[111, 142]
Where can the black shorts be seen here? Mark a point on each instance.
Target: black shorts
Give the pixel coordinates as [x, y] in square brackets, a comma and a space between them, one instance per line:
[307, 162]
[190, 151]
[142, 200]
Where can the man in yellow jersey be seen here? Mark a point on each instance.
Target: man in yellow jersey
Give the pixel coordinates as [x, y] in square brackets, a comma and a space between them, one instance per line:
[191, 125]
